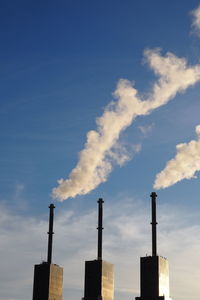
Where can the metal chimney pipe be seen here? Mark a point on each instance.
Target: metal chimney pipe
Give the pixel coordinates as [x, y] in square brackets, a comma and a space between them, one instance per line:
[100, 228]
[154, 223]
[50, 233]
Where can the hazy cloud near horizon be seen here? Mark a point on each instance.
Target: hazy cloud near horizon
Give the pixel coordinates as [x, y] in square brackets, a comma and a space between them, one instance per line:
[127, 236]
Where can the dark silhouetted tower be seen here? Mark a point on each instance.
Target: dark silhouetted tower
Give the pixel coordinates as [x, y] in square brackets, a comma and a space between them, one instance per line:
[48, 277]
[99, 279]
[154, 270]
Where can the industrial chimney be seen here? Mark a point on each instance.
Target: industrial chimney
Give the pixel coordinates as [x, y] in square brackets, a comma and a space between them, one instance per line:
[99, 278]
[48, 277]
[154, 270]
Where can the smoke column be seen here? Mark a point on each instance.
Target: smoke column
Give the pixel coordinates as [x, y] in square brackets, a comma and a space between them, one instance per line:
[184, 166]
[101, 149]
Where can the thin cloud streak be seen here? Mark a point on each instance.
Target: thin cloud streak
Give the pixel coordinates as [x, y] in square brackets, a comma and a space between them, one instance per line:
[196, 20]
[146, 130]
[183, 166]
[96, 160]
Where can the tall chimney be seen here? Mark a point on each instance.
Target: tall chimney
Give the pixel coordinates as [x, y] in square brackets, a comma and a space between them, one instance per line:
[48, 277]
[154, 270]
[100, 228]
[50, 233]
[99, 274]
[154, 223]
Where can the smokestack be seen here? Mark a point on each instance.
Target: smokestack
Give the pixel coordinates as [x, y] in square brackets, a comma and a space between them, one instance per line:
[154, 270]
[99, 274]
[154, 223]
[50, 233]
[100, 228]
[48, 277]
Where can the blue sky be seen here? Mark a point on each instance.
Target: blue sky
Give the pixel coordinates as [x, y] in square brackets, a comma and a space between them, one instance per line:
[60, 64]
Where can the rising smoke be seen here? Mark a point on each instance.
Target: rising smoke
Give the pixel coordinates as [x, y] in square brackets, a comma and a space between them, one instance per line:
[184, 166]
[100, 153]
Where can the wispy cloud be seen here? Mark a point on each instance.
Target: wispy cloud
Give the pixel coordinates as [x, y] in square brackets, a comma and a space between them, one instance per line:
[196, 20]
[146, 130]
[96, 159]
[184, 166]
[126, 238]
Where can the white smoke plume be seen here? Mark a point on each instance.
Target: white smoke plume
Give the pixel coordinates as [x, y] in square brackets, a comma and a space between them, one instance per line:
[184, 166]
[96, 159]
[196, 20]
